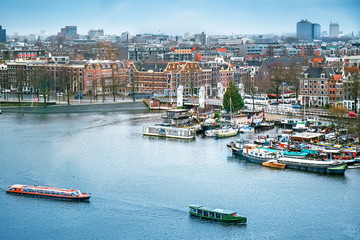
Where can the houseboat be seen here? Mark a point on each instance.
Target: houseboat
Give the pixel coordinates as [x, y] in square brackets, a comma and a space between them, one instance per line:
[331, 167]
[307, 137]
[169, 132]
[216, 214]
[176, 117]
[253, 153]
[51, 192]
[289, 122]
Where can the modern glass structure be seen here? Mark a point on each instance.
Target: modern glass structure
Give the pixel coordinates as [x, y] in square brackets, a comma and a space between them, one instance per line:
[334, 30]
[304, 30]
[2, 34]
[316, 31]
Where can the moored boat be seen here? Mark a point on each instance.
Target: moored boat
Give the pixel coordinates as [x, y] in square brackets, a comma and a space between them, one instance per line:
[331, 167]
[51, 192]
[228, 132]
[216, 214]
[169, 132]
[246, 129]
[274, 164]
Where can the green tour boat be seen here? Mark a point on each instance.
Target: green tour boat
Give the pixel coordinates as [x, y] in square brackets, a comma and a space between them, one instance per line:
[215, 214]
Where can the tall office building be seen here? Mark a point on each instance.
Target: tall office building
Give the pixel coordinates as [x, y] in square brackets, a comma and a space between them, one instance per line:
[125, 36]
[304, 30]
[95, 34]
[2, 34]
[316, 31]
[69, 33]
[202, 38]
[334, 30]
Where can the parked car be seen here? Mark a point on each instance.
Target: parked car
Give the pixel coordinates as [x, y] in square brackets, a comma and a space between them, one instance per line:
[79, 96]
[296, 106]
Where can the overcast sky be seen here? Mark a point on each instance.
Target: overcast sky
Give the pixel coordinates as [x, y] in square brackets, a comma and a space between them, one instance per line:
[175, 17]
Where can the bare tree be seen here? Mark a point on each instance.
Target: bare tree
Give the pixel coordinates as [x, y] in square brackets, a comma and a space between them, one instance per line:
[355, 89]
[339, 112]
[277, 77]
[65, 82]
[294, 74]
[20, 81]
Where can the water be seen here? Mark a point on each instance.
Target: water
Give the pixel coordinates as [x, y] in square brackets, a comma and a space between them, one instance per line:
[141, 186]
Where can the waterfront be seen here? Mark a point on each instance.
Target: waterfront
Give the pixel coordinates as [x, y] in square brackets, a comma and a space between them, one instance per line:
[141, 186]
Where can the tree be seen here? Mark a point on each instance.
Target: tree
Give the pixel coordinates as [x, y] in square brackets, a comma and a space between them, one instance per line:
[339, 112]
[232, 99]
[65, 79]
[355, 89]
[42, 80]
[20, 81]
[251, 89]
[277, 77]
[294, 73]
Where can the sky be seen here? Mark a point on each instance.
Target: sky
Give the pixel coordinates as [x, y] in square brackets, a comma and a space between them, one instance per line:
[175, 17]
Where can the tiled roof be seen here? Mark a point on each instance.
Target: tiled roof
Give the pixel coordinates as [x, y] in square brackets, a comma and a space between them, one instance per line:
[156, 67]
[316, 60]
[316, 72]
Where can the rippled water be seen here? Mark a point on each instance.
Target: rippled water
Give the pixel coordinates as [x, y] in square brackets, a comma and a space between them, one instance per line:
[141, 186]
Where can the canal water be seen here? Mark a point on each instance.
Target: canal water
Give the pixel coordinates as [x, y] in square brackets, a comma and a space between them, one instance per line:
[142, 186]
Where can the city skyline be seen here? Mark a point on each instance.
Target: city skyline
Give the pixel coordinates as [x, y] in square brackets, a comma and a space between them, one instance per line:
[177, 17]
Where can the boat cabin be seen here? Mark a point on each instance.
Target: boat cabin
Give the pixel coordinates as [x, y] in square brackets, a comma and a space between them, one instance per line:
[175, 117]
[215, 214]
[307, 137]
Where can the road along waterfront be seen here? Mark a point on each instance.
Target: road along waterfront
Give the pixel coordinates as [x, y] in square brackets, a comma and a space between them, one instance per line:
[142, 186]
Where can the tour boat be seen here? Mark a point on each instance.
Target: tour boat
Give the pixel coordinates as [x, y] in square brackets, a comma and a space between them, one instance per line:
[59, 193]
[274, 164]
[216, 214]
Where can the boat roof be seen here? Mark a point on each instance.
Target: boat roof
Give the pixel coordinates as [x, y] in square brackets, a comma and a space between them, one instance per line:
[270, 150]
[40, 187]
[305, 161]
[307, 135]
[217, 210]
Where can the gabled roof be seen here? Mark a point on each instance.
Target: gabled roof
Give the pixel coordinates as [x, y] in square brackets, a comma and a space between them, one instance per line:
[300, 61]
[314, 72]
[337, 77]
[317, 60]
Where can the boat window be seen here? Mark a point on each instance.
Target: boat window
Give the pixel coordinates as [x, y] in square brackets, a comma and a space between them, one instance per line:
[212, 215]
[217, 215]
[205, 213]
[200, 212]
